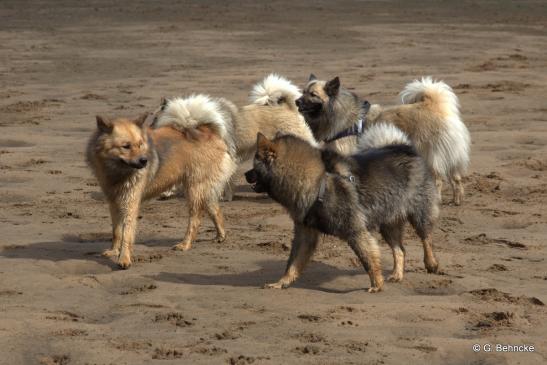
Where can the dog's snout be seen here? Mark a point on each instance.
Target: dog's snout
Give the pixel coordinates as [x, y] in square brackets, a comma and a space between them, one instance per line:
[298, 102]
[138, 163]
[250, 176]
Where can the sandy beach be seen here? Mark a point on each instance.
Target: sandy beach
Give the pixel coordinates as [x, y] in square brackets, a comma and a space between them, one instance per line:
[61, 303]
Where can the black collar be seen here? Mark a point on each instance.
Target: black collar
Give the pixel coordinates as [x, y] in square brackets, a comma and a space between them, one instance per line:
[355, 130]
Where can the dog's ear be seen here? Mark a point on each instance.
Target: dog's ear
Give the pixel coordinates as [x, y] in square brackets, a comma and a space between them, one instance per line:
[103, 124]
[312, 77]
[141, 119]
[332, 87]
[262, 141]
[267, 150]
[163, 103]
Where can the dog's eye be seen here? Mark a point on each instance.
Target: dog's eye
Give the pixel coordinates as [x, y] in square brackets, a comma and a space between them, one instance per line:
[127, 146]
[314, 94]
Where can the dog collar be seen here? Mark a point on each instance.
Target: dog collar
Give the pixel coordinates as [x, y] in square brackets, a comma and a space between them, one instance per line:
[323, 184]
[356, 129]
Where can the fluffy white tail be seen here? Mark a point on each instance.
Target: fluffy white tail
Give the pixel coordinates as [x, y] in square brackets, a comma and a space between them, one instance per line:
[193, 111]
[275, 90]
[438, 91]
[450, 154]
[382, 134]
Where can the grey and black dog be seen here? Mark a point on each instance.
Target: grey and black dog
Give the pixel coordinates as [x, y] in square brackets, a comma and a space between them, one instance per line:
[429, 115]
[348, 197]
[335, 115]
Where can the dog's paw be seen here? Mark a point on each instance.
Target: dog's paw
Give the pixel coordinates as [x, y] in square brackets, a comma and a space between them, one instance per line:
[124, 262]
[220, 238]
[182, 246]
[111, 253]
[395, 278]
[432, 268]
[374, 289]
[278, 285]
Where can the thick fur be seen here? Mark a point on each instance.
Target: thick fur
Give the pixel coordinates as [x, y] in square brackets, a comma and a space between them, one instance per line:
[275, 90]
[188, 113]
[272, 110]
[429, 116]
[329, 109]
[379, 189]
[382, 134]
[134, 162]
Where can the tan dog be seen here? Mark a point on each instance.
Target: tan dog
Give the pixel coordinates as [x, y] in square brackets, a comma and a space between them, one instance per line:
[133, 162]
[272, 110]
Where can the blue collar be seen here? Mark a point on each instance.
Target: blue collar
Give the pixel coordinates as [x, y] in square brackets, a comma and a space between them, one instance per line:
[355, 130]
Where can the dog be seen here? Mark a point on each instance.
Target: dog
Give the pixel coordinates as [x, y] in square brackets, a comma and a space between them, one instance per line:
[349, 197]
[272, 110]
[335, 115]
[429, 115]
[188, 146]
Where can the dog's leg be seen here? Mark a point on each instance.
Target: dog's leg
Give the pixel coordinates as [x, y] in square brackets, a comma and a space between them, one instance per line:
[303, 246]
[457, 188]
[439, 185]
[169, 193]
[213, 209]
[430, 261]
[128, 220]
[393, 234]
[423, 227]
[366, 248]
[117, 232]
[228, 194]
[194, 221]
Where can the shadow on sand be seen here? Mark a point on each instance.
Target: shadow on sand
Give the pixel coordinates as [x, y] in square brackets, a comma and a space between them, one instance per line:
[314, 277]
[89, 247]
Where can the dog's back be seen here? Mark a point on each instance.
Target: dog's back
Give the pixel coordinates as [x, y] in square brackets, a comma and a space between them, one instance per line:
[272, 110]
[209, 148]
[430, 116]
[392, 181]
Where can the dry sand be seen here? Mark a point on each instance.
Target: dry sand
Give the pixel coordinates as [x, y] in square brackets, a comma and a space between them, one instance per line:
[63, 62]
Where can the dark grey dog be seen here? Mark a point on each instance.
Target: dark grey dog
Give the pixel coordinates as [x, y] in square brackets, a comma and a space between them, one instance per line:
[348, 197]
[335, 115]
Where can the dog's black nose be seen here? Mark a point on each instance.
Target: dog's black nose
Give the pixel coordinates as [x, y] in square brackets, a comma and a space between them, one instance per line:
[143, 161]
[250, 176]
[298, 102]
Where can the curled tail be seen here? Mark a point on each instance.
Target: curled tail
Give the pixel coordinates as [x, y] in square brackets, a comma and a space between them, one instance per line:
[383, 134]
[192, 112]
[438, 92]
[450, 154]
[275, 90]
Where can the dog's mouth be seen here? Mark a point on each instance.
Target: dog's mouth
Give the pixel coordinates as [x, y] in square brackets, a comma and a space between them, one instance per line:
[252, 178]
[309, 108]
[138, 164]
